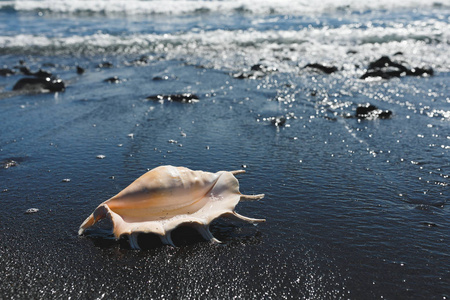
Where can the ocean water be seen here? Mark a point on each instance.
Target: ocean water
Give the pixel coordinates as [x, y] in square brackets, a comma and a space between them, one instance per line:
[356, 208]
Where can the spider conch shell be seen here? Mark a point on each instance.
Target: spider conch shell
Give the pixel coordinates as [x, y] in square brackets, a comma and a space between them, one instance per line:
[167, 197]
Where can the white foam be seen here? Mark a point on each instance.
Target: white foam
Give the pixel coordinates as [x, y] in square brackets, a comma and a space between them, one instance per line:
[231, 49]
[179, 7]
[422, 42]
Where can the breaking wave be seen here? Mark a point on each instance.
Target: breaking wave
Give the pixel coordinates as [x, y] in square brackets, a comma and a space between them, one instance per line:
[228, 47]
[181, 7]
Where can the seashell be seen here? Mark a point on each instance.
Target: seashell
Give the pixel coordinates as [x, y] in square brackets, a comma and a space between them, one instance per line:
[166, 197]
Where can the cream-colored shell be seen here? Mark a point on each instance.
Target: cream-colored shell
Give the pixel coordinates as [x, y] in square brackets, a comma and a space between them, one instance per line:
[167, 197]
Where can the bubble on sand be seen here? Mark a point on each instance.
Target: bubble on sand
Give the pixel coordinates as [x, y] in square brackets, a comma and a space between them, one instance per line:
[32, 210]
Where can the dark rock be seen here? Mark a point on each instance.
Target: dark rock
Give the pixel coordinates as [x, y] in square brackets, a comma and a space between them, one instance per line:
[42, 74]
[11, 162]
[383, 74]
[369, 111]
[258, 67]
[385, 61]
[6, 164]
[39, 84]
[385, 68]
[80, 70]
[256, 71]
[420, 72]
[263, 68]
[25, 70]
[325, 69]
[182, 98]
[278, 121]
[6, 72]
[143, 60]
[113, 79]
[385, 114]
[249, 75]
[159, 78]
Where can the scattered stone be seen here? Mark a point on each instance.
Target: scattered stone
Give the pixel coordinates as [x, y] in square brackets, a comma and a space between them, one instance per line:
[39, 84]
[256, 71]
[9, 163]
[324, 69]
[6, 72]
[388, 74]
[31, 210]
[278, 121]
[143, 60]
[41, 74]
[385, 68]
[182, 98]
[420, 72]
[385, 61]
[80, 70]
[369, 111]
[25, 70]
[113, 79]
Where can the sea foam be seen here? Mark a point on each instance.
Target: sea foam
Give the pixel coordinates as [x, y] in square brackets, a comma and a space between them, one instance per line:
[136, 7]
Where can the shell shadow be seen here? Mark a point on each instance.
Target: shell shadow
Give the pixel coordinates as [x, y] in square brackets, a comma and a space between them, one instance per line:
[181, 236]
[227, 231]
